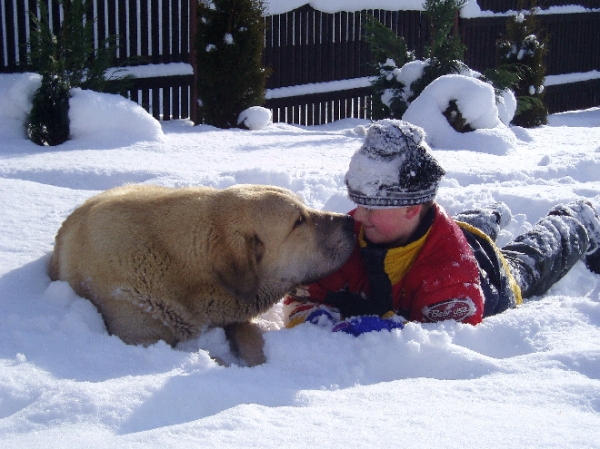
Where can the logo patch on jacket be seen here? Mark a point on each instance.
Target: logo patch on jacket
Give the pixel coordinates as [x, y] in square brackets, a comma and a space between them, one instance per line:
[454, 309]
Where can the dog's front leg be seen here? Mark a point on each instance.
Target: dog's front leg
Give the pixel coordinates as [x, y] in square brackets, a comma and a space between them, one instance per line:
[246, 342]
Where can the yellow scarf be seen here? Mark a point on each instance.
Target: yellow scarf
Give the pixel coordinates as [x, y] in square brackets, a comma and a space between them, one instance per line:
[398, 260]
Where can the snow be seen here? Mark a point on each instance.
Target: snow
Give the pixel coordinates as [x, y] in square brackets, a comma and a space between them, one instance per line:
[477, 103]
[255, 117]
[529, 377]
[332, 6]
[95, 115]
[470, 10]
[152, 70]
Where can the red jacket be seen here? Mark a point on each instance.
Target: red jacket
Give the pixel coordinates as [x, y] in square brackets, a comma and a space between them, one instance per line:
[442, 283]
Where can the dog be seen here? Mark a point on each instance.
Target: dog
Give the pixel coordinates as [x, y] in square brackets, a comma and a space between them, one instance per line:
[165, 264]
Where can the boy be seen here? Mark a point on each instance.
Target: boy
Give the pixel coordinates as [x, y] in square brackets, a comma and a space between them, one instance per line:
[412, 262]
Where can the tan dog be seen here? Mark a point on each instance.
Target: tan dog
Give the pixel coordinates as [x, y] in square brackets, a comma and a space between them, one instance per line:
[163, 264]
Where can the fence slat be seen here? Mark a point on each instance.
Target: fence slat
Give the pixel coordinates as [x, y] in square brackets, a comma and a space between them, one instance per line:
[132, 29]
[121, 20]
[308, 53]
[154, 37]
[8, 14]
[165, 32]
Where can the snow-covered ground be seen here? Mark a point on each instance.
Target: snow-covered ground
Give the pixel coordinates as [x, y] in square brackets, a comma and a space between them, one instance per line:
[529, 377]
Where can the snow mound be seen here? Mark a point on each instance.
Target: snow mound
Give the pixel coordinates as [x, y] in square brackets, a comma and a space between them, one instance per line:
[477, 103]
[94, 114]
[16, 93]
[255, 118]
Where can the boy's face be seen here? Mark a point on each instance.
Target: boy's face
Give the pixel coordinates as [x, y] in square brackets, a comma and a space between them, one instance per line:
[391, 225]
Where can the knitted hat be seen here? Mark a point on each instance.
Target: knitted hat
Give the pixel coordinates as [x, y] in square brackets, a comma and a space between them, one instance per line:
[393, 168]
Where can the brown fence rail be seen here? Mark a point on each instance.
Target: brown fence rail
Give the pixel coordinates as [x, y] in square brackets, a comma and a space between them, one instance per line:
[164, 97]
[307, 46]
[573, 96]
[318, 109]
[573, 45]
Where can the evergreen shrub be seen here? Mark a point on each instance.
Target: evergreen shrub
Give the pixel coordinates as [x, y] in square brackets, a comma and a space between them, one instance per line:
[388, 100]
[521, 54]
[48, 123]
[231, 78]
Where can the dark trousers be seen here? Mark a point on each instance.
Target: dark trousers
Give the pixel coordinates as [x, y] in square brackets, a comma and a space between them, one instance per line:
[540, 257]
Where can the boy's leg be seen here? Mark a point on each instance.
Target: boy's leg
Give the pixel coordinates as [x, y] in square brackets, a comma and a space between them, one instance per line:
[583, 211]
[541, 257]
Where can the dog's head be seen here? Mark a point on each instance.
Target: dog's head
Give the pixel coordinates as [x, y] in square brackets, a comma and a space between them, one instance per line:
[274, 242]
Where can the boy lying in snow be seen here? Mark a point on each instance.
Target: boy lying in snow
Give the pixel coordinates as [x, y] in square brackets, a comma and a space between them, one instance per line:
[413, 262]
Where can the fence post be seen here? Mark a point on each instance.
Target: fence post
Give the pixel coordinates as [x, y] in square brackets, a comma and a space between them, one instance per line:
[194, 112]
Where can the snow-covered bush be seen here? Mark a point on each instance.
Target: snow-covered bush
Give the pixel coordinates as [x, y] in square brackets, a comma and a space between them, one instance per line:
[255, 118]
[66, 56]
[399, 85]
[400, 79]
[229, 50]
[446, 51]
[479, 109]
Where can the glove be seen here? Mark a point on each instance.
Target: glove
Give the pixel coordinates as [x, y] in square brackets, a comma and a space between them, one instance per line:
[360, 324]
[307, 312]
[323, 316]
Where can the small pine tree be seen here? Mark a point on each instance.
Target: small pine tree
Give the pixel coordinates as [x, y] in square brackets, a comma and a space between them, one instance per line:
[69, 52]
[66, 58]
[48, 123]
[446, 51]
[391, 98]
[230, 44]
[388, 100]
[522, 53]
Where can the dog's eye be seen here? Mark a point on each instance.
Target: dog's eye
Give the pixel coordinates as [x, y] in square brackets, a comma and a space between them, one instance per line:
[299, 222]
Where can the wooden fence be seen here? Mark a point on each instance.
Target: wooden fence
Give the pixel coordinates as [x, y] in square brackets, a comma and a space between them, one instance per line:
[151, 31]
[573, 45]
[307, 46]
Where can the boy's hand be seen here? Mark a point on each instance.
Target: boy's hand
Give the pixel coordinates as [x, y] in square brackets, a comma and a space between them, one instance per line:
[323, 316]
[299, 312]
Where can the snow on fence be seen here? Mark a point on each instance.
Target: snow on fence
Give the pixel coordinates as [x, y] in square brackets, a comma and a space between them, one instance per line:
[507, 5]
[310, 52]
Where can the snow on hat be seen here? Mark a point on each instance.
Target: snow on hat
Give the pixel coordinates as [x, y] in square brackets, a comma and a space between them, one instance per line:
[393, 168]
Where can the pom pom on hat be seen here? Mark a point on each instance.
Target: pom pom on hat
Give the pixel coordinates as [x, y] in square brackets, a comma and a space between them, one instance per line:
[393, 168]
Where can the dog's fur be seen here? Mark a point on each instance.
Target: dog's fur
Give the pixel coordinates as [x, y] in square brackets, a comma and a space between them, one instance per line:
[164, 264]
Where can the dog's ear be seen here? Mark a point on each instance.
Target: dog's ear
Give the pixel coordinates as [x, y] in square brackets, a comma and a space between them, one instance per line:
[237, 270]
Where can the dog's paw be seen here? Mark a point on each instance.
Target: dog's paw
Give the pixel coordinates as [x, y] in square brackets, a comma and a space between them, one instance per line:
[247, 342]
